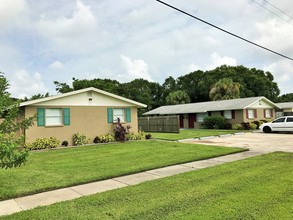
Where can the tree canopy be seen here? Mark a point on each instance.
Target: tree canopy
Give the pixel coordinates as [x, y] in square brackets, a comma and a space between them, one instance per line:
[11, 153]
[197, 85]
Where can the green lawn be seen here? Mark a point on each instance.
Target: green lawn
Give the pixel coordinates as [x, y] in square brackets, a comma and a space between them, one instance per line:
[191, 133]
[255, 188]
[66, 167]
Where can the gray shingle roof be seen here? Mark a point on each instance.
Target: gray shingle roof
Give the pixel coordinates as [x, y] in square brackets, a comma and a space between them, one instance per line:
[285, 105]
[201, 107]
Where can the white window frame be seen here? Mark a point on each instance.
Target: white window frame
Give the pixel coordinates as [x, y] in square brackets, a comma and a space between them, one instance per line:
[118, 113]
[251, 113]
[201, 116]
[228, 114]
[53, 117]
[268, 113]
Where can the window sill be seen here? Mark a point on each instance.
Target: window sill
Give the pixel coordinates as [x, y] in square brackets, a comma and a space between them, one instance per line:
[53, 126]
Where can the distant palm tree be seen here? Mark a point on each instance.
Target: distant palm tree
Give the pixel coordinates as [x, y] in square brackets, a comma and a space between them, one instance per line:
[225, 89]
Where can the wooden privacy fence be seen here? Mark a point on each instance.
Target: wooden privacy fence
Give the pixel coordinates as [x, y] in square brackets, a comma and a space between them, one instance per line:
[167, 124]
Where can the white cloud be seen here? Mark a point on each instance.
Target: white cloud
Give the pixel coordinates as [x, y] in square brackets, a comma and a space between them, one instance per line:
[64, 30]
[282, 75]
[24, 84]
[10, 10]
[134, 69]
[218, 60]
[56, 65]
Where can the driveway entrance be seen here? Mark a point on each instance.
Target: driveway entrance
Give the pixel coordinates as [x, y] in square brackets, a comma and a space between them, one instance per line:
[256, 141]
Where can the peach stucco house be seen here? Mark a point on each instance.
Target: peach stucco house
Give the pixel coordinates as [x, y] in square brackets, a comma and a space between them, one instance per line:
[88, 111]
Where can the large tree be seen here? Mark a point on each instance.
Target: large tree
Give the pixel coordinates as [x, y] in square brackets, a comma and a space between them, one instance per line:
[11, 152]
[225, 89]
[177, 97]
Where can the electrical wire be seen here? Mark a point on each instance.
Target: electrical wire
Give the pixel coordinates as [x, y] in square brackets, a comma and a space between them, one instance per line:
[221, 29]
[278, 9]
[261, 5]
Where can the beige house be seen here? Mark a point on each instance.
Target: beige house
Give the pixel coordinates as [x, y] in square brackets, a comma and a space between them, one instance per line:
[286, 108]
[88, 111]
[235, 111]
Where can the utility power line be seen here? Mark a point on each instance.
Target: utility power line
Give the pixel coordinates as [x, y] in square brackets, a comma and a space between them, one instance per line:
[261, 5]
[221, 29]
[279, 9]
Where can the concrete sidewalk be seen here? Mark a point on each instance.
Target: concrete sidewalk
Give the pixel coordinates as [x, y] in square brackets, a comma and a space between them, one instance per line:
[47, 198]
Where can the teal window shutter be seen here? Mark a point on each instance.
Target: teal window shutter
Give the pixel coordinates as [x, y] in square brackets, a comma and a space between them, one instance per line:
[128, 114]
[41, 116]
[110, 115]
[66, 116]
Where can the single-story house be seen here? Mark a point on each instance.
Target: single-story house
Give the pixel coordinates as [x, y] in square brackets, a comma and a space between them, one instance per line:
[87, 111]
[235, 111]
[286, 108]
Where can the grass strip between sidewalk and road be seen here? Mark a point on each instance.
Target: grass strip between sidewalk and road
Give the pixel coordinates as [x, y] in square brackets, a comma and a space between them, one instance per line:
[254, 188]
[192, 133]
[55, 169]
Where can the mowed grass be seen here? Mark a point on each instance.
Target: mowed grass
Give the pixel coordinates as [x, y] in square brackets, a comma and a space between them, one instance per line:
[72, 166]
[255, 188]
[191, 133]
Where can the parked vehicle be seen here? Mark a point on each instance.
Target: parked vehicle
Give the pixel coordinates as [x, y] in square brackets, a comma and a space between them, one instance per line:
[284, 123]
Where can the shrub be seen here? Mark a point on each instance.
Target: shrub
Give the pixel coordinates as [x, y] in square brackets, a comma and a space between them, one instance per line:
[135, 136]
[228, 126]
[214, 122]
[148, 136]
[253, 126]
[249, 126]
[237, 127]
[107, 138]
[65, 143]
[44, 143]
[120, 131]
[97, 140]
[80, 139]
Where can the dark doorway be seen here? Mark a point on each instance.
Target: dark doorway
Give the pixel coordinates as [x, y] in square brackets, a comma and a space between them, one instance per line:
[191, 120]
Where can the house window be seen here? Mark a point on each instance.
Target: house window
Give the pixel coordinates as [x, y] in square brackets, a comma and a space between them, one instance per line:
[268, 113]
[228, 114]
[118, 113]
[53, 116]
[251, 113]
[200, 116]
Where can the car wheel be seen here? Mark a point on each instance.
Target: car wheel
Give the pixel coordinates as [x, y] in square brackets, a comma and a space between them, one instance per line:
[267, 129]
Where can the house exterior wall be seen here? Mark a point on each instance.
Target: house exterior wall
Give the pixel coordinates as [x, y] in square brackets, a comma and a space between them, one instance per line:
[260, 115]
[88, 120]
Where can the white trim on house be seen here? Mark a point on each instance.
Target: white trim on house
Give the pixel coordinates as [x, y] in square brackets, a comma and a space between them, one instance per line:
[84, 97]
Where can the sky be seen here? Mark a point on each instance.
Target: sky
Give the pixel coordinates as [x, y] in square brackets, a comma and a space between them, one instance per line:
[44, 41]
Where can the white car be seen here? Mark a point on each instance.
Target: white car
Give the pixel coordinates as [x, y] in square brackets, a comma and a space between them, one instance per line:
[284, 123]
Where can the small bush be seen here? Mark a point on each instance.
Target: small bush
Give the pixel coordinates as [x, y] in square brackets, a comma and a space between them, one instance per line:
[120, 131]
[107, 138]
[44, 143]
[214, 122]
[249, 126]
[97, 140]
[228, 126]
[148, 136]
[135, 136]
[237, 127]
[253, 126]
[80, 139]
[65, 143]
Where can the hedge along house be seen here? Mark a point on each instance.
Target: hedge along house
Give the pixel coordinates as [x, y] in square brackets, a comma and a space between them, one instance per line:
[87, 111]
[235, 111]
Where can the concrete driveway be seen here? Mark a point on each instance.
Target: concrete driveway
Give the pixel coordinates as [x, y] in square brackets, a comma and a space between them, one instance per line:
[256, 141]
